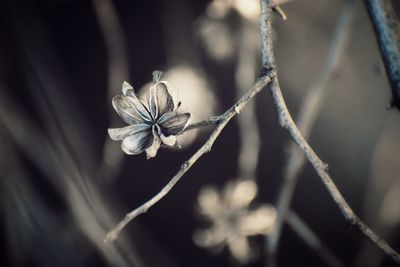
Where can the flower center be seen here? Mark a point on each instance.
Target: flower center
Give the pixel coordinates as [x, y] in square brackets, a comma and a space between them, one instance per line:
[231, 219]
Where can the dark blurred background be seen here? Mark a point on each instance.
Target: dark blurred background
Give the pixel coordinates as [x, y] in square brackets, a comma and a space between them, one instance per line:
[64, 184]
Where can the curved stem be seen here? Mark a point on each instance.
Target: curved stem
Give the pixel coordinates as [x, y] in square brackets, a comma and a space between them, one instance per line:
[286, 121]
[309, 111]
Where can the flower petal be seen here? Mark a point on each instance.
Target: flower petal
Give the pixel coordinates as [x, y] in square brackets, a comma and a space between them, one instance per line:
[125, 87]
[125, 109]
[130, 108]
[240, 249]
[209, 202]
[173, 125]
[168, 140]
[167, 116]
[211, 238]
[259, 221]
[239, 194]
[164, 99]
[135, 143]
[118, 134]
[151, 151]
[153, 105]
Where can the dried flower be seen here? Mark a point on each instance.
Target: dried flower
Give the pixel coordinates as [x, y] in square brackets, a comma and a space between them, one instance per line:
[232, 220]
[153, 121]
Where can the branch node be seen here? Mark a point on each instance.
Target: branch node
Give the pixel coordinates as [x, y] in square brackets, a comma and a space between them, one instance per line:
[215, 119]
[237, 109]
[325, 166]
[268, 70]
[184, 165]
[352, 221]
[278, 10]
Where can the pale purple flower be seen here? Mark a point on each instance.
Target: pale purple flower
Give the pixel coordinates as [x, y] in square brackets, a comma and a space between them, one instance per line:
[152, 122]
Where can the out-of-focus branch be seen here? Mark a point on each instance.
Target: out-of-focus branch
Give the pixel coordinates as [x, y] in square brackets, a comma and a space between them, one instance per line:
[117, 72]
[115, 44]
[246, 71]
[54, 160]
[387, 31]
[286, 121]
[309, 111]
[312, 240]
[205, 148]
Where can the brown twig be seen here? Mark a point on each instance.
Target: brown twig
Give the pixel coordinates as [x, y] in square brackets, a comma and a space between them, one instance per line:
[309, 111]
[286, 121]
[205, 148]
[248, 158]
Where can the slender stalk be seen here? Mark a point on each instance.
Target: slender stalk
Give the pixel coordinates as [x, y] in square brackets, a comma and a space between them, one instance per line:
[245, 75]
[205, 148]
[309, 111]
[286, 121]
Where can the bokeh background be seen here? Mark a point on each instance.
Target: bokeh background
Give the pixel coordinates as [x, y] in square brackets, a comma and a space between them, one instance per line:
[64, 184]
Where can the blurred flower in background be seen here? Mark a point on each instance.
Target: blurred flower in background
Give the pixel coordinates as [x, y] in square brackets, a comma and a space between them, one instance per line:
[232, 219]
[250, 9]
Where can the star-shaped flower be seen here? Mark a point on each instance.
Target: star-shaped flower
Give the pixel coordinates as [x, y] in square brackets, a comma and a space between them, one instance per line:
[153, 122]
[232, 220]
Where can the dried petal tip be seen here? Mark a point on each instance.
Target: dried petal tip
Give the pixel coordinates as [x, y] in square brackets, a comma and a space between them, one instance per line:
[125, 87]
[157, 76]
[168, 140]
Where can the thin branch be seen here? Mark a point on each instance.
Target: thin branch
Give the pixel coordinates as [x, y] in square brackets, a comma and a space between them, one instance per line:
[387, 30]
[267, 58]
[312, 240]
[286, 121]
[205, 148]
[309, 111]
[245, 74]
[210, 121]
